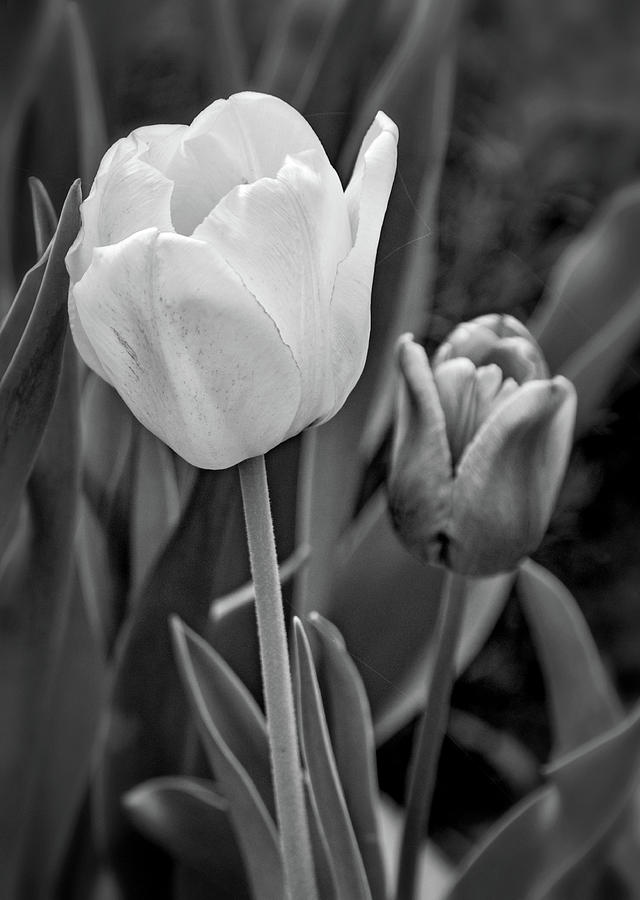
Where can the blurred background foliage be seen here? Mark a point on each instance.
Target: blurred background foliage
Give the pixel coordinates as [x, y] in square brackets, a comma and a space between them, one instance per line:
[518, 123]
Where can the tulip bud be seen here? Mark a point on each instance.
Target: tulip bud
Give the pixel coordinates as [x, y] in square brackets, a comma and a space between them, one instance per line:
[221, 281]
[480, 447]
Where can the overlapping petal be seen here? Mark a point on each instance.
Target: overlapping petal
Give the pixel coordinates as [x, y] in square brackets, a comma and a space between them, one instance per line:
[367, 196]
[509, 476]
[421, 470]
[188, 348]
[284, 237]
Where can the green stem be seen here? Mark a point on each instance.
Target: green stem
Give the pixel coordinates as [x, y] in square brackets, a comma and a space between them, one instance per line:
[428, 741]
[276, 679]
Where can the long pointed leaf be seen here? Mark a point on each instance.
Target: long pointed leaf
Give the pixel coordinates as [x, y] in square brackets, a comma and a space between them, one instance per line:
[350, 876]
[254, 828]
[44, 216]
[29, 384]
[351, 732]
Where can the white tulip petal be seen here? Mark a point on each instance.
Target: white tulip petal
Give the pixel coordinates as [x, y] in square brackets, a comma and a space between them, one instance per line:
[367, 196]
[284, 237]
[188, 348]
[128, 196]
[257, 131]
[199, 185]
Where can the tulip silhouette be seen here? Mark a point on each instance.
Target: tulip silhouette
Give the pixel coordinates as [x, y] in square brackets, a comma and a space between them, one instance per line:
[480, 447]
[221, 280]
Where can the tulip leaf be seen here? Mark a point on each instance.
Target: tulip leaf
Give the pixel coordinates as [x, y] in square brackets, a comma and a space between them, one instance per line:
[190, 819]
[92, 129]
[26, 34]
[414, 89]
[155, 507]
[349, 873]
[239, 721]
[51, 645]
[144, 732]
[554, 830]
[582, 699]
[588, 322]
[29, 383]
[389, 619]
[16, 319]
[351, 733]
[96, 581]
[254, 828]
[45, 220]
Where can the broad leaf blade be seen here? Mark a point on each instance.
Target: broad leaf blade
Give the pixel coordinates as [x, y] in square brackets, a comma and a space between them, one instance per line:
[254, 828]
[582, 699]
[350, 876]
[589, 320]
[554, 830]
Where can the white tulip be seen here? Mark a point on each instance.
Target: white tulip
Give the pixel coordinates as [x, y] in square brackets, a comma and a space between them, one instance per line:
[221, 280]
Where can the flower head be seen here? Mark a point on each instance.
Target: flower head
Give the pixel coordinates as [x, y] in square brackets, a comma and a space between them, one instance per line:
[221, 280]
[480, 449]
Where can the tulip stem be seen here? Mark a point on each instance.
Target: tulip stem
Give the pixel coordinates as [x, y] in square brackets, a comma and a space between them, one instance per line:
[431, 731]
[286, 768]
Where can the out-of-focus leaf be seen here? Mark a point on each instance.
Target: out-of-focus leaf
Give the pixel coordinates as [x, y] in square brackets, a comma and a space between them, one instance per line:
[555, 829]
[254, 828]
[238, 719]
[589, 320]
[434, 874]
[414, 88]
[47, 682]
[191, 821]
[96, 583]
[27, 31]
[350, 876]
[388, 620]
[223, 55]
[108, 430]
[44, 215]
[329, 82]
[144, 731]
[289, 43]
[155, 508]
[29, 384]
[91, 125]
[582, 699]
[351, 732]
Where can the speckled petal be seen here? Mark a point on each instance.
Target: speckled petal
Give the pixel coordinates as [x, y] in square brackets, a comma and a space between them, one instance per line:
[189, 349]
